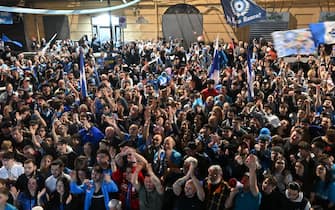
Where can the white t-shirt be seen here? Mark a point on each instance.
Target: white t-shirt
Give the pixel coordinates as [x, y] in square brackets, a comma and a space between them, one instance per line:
[13, 173]
[50, 182]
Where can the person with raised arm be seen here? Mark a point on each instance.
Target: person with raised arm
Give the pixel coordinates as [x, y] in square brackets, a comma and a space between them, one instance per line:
[151, 191]
[96, 190]
[248, 196]
[192, 195]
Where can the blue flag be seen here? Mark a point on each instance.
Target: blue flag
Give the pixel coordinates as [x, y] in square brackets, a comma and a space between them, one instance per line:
[83, 85]
[96, 75]
[242, 12]
[7, 39]
[214, 72]
[250, 79]
[323, 33]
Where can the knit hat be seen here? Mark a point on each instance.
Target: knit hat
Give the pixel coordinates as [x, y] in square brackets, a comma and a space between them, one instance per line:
[264, 134]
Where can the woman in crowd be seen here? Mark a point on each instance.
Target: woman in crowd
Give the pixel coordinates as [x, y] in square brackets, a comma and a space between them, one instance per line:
[323, 192]
[61, 199]
[281, 173]
[28, 199]
[45, 166]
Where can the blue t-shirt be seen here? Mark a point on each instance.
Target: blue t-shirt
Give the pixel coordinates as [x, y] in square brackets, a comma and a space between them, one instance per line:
[247, 201]
[10, 207]
[93, 135]
[141, 144]
[327, 193]
[26, 202]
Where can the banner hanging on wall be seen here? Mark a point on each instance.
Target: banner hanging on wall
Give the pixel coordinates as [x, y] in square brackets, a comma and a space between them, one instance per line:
[66, 12]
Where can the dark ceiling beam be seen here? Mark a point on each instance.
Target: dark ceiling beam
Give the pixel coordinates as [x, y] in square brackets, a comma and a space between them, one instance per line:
[9, 3]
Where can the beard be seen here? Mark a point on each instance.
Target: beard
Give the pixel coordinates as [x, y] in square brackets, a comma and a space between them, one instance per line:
[215, 181]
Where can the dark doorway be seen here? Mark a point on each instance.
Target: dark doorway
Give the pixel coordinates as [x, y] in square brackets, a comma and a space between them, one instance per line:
[56, 24]
[182, 21]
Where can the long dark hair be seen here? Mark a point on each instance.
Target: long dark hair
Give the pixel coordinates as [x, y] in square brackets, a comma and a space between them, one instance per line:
[286, 171]
[66, 184]
[328, 178]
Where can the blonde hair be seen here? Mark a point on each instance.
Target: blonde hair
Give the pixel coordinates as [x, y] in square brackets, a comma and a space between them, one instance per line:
[6, 145]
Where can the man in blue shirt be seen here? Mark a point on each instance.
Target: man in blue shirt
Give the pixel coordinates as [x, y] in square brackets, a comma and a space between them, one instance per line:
[247, 197]
[133, 138]
[89, 133]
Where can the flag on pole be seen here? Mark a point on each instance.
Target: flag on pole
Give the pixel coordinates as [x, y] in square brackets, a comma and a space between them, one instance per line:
[250, 79]
[83, 85]
[48, 44]
[214, 72]
[242, 12]
[7, 39]
[323, 33]
[96, 74]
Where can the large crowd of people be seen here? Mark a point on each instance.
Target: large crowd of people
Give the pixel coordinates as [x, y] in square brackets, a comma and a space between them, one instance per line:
[154, 132]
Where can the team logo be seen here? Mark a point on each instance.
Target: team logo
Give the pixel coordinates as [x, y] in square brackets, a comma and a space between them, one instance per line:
[240, 7]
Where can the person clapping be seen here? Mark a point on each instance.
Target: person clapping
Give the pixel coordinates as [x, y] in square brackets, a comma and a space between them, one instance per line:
[192, 195]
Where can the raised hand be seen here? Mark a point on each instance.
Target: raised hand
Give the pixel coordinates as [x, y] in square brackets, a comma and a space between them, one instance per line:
[14, 192]
[18, 116]
[149, 169]
[147, 113]
[87, 183]
[41, 193]
[73, 175]
[37, 113]
[110, 120]
[190, 171]
[251, 162]
[32, 130]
